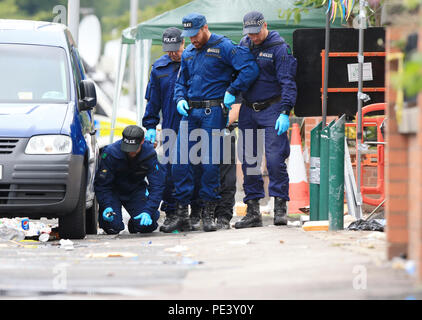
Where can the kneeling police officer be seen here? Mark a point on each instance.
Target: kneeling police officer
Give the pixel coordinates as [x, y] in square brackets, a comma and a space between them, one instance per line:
[120, 181]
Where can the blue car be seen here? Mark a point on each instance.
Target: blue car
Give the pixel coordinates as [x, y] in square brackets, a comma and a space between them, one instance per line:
[48, 147]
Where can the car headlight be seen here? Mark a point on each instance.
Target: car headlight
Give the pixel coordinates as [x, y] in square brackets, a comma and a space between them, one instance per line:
[49, 144]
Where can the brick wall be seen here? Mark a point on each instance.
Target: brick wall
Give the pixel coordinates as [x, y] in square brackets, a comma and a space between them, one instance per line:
[403, 173]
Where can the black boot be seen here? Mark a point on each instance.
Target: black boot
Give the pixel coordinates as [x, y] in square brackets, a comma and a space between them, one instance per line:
[195, 217]
[208, 223]
[181, 221]
[223, 223]
[253, 216]
[223, 214]
[280, 212]
[169, 220]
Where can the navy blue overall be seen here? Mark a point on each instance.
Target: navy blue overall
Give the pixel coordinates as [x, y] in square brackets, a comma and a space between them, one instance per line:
[206, 74]
[159, 94]
[276, 79]
[120, 181]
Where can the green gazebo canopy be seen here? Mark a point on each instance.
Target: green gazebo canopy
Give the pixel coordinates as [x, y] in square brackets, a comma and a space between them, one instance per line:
[226, 17]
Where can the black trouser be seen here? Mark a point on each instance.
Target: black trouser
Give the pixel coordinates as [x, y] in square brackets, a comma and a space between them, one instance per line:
[227, 192]
[225, 205]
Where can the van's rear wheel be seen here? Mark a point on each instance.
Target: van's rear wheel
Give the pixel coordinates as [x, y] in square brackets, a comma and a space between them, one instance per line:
[73, 225]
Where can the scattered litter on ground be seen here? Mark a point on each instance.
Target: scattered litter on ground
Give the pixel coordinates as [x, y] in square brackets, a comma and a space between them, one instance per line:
[368, 245]
[348, 219]
[44, 237]
[363, 225]
[402, 264]
[10, 233]
[241, 242]
[112, 255]
[189, 261]
[177, 248]
[304, 218]
[305, 209]
[30, 246]
[266, 209]
[26, 244]
[410, 267]
[316, 225]
[338, 244]
[293, 223]
[381, 221]
[240, 209]
[377, 236]
[54, 234]
[23, 228]
[66, 244]
[398, 263]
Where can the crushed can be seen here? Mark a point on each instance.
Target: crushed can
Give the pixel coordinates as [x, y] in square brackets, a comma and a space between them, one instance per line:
[25, 224]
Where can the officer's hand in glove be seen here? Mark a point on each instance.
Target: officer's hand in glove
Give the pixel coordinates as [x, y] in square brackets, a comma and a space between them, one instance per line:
[282, 124]
[229, 99]
[108, 214]
[145, 219]
[150, 135]
[183, 107]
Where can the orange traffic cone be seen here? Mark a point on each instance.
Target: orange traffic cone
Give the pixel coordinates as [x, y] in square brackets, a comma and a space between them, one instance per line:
[298, 183]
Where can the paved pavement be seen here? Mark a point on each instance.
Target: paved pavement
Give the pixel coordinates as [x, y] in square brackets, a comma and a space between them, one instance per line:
[258, 263]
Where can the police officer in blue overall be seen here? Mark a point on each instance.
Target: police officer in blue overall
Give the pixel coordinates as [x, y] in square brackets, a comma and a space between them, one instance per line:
[159, 94]
[204, 87]
[267, 106]
[120, 181]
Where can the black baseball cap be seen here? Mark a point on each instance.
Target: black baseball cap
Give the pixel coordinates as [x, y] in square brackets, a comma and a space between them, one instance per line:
[192, 23]
[132, 138]
[252, 22]
[172, 39]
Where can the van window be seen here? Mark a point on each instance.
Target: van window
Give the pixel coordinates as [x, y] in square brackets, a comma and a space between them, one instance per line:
[79, 65]
[33, 74]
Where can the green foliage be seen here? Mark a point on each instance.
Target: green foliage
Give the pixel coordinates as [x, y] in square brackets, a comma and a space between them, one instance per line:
[8, 8]
[412, 4]
[113, 25]
[303, 7]
[411, 77]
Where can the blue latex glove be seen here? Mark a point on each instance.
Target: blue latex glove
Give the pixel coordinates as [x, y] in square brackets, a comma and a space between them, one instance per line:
[183, 107]
[229, 99]
[145, 219]
[282, 124]
[105, 212]
[150, 135]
